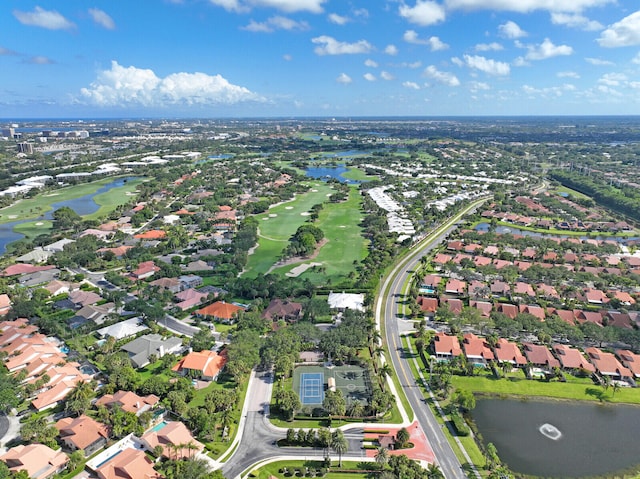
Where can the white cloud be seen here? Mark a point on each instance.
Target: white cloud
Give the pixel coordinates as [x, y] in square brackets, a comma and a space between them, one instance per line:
[624, 33]
[287, 57]
[476, 86]
[487, 65]
[331, 46]
[525, 6]
[410, 84]
[567, 74]
[276, 23]
[369, 77]
[289, 6]
[575, 20]
[49, 19]
[6, 52]
[387, 76]
[391, 50]
[457, 61]
[40, 60]
[445, 78]
[425, 12]
[370, 63]
[613, 79]
[436, 44]
[344, 79]
[549, 92]
[338, 19]
[511, 30]
[102, 18]
[636, 59]
[411, 36]
[599, 62]
[547, 49]
[361, 12]
[606, 90]
[122, 86]
[488, 47]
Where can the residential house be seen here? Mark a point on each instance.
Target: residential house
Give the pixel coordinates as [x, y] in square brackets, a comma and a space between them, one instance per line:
[81, 298]
[445, 346]
[540, 356]
[523, 289]
[587, 316]
[189, 298]
[146, 269]
[283, 310]
[455, 286]
[220, 311]
[595, 296]
[5, 304]
[205, 365]
[40, 461]
[118, 251]
[431, 282]
[82, 434]
[428, 305]
[455, 305]
[608, 365]
[129, 401]
[170, 284]
[500, 288]
[630, 360]
[16, 269]
[140, 349]
[38, 278]
[476, 350]
[195, 266]
[128, 464]
[533, 310]
[506, 351]
[172, 433]
[62, 380]
[37, 255]
[190, 281]
[510, 310]
[57, 287]
[123, 329]
[484, 307]
[151, 235]
[343, 301]
[97, 313]
[571, 359]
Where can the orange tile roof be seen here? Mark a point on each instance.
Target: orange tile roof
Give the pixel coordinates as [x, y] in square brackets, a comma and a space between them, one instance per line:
[176, 433]
[220, 310]
[151, 235]
[81, 431]
[445, 344]
[209, 363]
[128, 464]
[128, 401]
[38, 460]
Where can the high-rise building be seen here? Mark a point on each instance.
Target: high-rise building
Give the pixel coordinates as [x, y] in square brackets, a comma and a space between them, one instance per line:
[25, 148]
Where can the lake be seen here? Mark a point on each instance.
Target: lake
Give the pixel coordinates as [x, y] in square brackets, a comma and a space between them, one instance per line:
[83, 205]
[500, 229]
[594, 439]
[326, 172]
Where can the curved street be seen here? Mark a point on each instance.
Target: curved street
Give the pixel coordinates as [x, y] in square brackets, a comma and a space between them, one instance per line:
[255, 442]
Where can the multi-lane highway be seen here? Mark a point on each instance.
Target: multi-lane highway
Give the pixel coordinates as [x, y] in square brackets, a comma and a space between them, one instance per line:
[387, 312]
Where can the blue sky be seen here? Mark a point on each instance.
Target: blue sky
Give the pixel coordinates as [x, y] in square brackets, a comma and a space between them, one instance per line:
[238, 58]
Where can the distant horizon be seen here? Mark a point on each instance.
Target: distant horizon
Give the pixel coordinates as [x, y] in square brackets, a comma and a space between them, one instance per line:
[309, 118]
[302, 58]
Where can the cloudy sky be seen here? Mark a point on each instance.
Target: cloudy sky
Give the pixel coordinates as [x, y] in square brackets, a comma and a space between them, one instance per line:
[236, 58]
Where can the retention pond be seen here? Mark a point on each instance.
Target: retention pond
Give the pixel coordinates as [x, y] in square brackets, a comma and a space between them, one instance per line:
[560, 439]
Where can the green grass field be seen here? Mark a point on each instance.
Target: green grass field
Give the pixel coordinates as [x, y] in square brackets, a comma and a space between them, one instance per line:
[273, 469]
[340, 224]
[338, 221]
[357, 174]
[41, 203]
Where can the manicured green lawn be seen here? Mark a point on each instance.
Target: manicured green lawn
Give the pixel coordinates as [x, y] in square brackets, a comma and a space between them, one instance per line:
[41, 203]
[273, 469]
[357, 174]
[345, 244]
[109, 200]
[574, 193]
[275, 231]
[579, 390]
[33, 228]
[552, 231]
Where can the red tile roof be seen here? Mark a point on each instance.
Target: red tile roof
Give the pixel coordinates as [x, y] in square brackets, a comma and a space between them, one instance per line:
[507, 351]
[446, 345]
[220, 310]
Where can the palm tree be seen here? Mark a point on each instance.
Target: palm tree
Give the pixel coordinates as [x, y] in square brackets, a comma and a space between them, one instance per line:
[382, 457]
[434, 472]
[339, 444]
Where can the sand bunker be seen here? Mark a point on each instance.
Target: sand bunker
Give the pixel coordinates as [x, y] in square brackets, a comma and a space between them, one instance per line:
[314, 191]
[298, 270]
[265, 219]
[305, 213]
[342, 226]
[272, 215]
[12, 217]
[39, 223]
[288, 207]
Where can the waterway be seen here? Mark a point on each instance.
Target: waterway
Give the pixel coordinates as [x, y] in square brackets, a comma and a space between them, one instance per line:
[594, 439]
[327, 172]
[83, 205]
[517, 231]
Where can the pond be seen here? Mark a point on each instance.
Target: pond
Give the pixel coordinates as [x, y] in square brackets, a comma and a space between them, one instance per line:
[327, 172]
[560, 439]
[83, 205]
[485, 227]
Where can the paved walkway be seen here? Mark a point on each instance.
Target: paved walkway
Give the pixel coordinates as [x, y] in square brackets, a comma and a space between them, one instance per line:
[9, 428]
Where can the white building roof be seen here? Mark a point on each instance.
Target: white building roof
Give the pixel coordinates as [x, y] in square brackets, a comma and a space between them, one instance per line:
[346, 301]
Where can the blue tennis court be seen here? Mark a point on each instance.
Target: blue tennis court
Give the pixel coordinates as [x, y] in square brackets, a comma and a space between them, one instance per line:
[311, 388]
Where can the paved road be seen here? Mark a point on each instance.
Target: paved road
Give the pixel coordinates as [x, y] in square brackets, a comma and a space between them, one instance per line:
[259, 435]
[445, 457]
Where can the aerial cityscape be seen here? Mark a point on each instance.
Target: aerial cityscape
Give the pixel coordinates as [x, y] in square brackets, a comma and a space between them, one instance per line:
[308, 238]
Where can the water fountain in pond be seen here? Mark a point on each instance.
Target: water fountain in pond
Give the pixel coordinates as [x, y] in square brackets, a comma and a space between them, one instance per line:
[550, 431]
